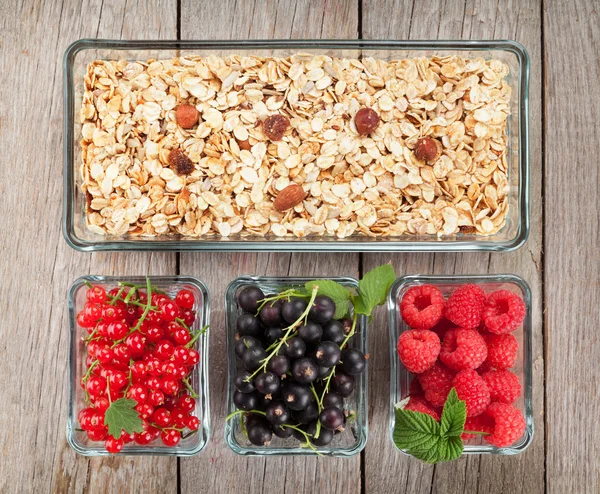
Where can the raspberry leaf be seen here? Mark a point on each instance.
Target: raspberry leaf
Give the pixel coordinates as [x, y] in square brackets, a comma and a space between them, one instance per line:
[338, 293]
[373, 289]
[121, 415]
[452, 422]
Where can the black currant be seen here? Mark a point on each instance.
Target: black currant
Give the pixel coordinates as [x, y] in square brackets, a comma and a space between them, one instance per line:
[277, 413]
[292, 309]
[272, 335]
[322, 310]
[333, 399]
[270, 314]
[245, 401]
[327, 354]
[309, 429]
[241, 384]
[331, 418]
[334, 331]
[343, 384]
[251, 359]
[304, 370]
[249, 325]
[245, 342]
[279, 365]
[311, 333]
[310, 413]
[323, 372]
[260, 434]
[283, 432]
[347, 323]
[325, 437]
[353, 361]
[250, 298]
[296, 396]
[294, 347]
[266, 383]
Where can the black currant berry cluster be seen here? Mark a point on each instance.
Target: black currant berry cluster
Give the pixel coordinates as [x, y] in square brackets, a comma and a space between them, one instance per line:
[294, 366]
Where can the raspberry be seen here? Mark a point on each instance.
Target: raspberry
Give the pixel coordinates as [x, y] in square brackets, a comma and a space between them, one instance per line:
[508, 424]
[465, 305]
[422, 306]
[463, 349]
[414, 388]
[471, 388]
[418, 403]
[436, 383]
[481, 423]
[418, 349]
[502, 350]
[504, 386]
[442, 327]
[503, 312]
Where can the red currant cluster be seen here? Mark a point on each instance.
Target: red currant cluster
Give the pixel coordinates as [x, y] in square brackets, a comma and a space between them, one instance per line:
[141, 350]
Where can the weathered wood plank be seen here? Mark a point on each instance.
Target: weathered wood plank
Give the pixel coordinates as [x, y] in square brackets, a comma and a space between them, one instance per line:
[384, 466]
[218, 469]
[572, 236]
[42, 266]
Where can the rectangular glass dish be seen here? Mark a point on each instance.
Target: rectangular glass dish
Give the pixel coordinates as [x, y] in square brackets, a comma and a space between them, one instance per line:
[350, 442]
[400, 378]
[510, 237]
[188, 446]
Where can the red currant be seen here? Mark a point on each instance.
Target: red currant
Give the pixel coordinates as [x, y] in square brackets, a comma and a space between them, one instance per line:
[122, 352]
[95, 386]
[102, 328]
[164, 349]
[193, 423]
[182, 336]
[96, 295]
[170, 386]
[153, 317]
[117, 380]
[117, 330]
[153, 366]
[185, 299]
[113, 445]
[85, 418]
[180, 355]
[194, 357]
[127, 438]
[158, 299]
[153, 383]
[142, 298]
[169, 368]
[83, 321]
[138, 371]
[156, 397]
[97, 434]
[138, 393]
[188, 316]
[181, 371]
[162, 417]
[97, 420]
[92, 312]
[145, 410]
[101, 403]
[186, 403]
[109, 313]
[131, 313]
[170, 328]
[170, 437]
[154, 333]
[105, 354]
[136, 343]
[178, 417]
[169, 311]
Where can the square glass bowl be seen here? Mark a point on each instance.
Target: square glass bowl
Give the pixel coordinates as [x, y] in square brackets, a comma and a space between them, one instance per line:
[78, 439]
[348, 443]
[512, 236]
[400, 378]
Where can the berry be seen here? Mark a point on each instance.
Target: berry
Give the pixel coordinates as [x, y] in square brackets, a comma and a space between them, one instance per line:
[343, 384]
[296, 396]
[169, 311]
[278, 365]
[180, 162]
[325, 437]
[414, 388]
[422, 306]
[188, 316]
[242, 384]
[508, 424]
[471, 388]
[138, 393]
[248, 325]
[113, 445]
[274, 126]
[194, 357]
[156, 397]
[503, 312]
[465, 306]
[252, 358]
[186, 403]
[182, 336]
[117, 330]
[185, 299]
[245, 401]
[308, 415]
[504, 386]
[272, 335]
[266, 383]
[436, 383]
[165, 349]
[170, 437]
[170, 386]
[295, 347]
[463, 349]
[481, 423]
[193, 423]
[243, 343]
[322, 310]
[96, 295]
[277, 413]
[502, 350]
[328, 354]
[282, 432]
[311, 333]
[250, 298]
[97, 434]
[442, 327]
[304, 370]
[353, 361]
[292, 309]
[418, 349]
[260, 434]
[145, 410]
[270, 314]
[332, 418]
[418, 403]
[333, 399]
[334, 331]
[136, 343]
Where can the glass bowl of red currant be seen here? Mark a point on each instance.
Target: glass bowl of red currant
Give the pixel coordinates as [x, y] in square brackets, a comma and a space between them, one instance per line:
[138, 366]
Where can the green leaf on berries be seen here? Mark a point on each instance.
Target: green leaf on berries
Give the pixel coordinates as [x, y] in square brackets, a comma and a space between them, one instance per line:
[373, 289]
[419, 435]
[121, 415]
[338, 293]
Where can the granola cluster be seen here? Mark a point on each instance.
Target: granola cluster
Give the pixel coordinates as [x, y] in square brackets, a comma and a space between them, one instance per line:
[353, 184]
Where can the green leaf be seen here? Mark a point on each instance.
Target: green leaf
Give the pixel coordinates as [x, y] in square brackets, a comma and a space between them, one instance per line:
[338, 293]
[121, 415]
[373, 289]
[419, 435]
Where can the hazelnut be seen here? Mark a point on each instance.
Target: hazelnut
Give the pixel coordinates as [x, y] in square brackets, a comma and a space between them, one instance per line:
[428, 149]
[186, 115]
[366, 121]
[275, 126]
[180, 163]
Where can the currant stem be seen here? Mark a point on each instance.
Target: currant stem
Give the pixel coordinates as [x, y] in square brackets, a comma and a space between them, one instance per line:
[240, 412]
[196, 336]
[117, 296]
[186, 381]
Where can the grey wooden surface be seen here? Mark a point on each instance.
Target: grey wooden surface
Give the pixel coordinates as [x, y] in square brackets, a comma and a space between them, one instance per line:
[560, 261]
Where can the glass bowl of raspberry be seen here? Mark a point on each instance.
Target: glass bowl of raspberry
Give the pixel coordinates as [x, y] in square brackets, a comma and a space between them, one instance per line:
[138, 380]
[470, 334]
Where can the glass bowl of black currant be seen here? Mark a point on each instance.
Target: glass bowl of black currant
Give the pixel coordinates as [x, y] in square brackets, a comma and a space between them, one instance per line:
[297, 369]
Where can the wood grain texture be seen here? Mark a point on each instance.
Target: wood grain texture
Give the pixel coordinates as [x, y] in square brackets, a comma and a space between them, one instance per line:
[384, 466]
[35, 333]
[218, 469]
[572, 260]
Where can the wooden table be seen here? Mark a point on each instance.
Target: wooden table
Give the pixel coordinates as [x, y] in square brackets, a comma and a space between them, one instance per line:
[560, 261]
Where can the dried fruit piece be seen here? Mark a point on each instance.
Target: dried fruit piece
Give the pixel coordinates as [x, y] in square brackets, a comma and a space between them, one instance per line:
[244, 145]
[289, 197]
[275, 126]
[428, 149]
[366, 121]
[186, 116]
[179, 161]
